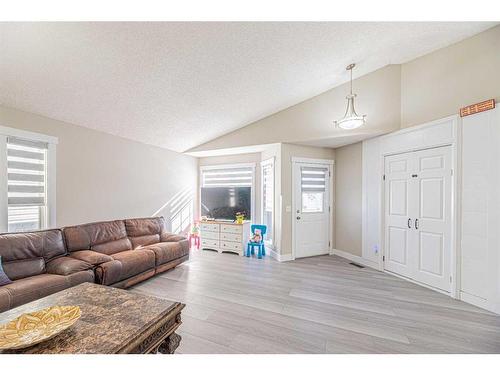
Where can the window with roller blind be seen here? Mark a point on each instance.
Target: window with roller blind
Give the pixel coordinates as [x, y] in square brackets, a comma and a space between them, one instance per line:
[27, 200]
[267, 198]
[226, 190]
[313, 186]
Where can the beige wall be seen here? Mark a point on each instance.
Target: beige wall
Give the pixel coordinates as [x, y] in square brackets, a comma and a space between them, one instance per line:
[348, 174]
[440, 83]
[288, 151]
[101, 177]
[313, 119]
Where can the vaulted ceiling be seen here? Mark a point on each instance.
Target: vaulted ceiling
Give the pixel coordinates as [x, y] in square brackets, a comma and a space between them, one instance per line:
[178, 85]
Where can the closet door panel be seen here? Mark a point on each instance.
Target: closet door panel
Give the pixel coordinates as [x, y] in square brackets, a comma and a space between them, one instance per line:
[397, 214]
[432, 180]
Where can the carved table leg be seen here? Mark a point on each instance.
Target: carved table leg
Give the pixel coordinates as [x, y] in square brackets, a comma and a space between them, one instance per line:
[170, 344]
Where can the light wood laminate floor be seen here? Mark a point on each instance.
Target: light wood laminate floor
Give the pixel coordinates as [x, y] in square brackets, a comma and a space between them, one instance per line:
[315, 305]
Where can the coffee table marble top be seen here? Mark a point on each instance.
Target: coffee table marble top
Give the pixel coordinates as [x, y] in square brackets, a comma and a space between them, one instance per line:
[113, 320]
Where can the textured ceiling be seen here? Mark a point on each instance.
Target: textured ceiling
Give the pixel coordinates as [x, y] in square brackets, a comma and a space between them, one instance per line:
[178, 85]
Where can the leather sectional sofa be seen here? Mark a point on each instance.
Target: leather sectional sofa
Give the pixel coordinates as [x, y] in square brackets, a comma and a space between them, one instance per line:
[117, 253]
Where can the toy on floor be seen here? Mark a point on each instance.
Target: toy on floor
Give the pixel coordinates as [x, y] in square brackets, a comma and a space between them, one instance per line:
[257, 241]
[194, 234]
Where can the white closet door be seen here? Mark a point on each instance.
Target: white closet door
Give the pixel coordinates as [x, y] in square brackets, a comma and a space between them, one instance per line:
[433, 217]
[398, 205]
[418, 216]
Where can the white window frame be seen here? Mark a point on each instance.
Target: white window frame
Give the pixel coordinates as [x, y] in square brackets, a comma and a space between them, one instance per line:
[263, 164]
[229, 166]
[52, 142]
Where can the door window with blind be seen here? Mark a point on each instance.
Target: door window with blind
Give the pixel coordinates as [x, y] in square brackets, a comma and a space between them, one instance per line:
[227, 190]
[313, 187]
[267, 197]
[25, 167]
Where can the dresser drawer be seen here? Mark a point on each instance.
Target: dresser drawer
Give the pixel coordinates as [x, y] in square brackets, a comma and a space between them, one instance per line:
[231, 246]
[230, 237]
[207, 242]
[209, 235]
[224, 228]
[209, 227]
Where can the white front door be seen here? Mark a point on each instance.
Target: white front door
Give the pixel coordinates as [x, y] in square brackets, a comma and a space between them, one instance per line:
[418, 216]
[311, 209]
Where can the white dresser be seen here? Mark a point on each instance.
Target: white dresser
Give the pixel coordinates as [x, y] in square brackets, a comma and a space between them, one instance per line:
[224, 236]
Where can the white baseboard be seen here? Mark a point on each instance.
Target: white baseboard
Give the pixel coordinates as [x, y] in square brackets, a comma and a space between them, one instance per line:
[280, 257]
[479, 302]
[355, 258]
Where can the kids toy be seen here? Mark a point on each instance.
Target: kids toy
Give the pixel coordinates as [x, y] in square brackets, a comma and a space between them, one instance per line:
[240, 217]
[257, 241]
[194, 234]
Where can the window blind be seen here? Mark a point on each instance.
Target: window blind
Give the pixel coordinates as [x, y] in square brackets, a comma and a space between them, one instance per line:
[313, 178]
[268, 188]
[241, 176]
[26, 173]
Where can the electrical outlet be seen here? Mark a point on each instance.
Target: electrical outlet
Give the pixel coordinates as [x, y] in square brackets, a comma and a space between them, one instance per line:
[375, 249]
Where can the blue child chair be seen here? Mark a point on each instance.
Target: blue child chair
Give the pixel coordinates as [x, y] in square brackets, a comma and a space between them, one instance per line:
[260, 245]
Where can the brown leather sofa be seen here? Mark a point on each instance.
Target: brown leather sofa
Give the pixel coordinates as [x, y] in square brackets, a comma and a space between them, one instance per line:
[37, 264]
[125, 252]
[118, 253]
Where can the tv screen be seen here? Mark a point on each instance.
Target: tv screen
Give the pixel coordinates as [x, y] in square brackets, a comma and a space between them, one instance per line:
[225, 202]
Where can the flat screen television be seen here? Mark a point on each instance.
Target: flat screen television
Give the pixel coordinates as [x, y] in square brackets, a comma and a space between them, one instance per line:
[224, 202]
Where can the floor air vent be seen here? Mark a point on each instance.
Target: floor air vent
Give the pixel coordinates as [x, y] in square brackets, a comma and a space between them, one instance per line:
[357, 265]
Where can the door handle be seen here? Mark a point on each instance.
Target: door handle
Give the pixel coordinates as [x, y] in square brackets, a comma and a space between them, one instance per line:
[298, 217]
[416, 223]
[409, 223]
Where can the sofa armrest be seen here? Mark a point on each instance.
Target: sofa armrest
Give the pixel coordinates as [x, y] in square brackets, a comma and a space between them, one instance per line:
[92, 257]
[171, 237]
[65, 266]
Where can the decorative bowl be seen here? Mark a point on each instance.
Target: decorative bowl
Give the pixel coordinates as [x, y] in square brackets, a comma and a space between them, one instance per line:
[33, 328]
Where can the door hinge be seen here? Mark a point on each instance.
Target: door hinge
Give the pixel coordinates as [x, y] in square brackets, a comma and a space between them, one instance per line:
[329, 209]
[451, 172]
[329, 244]
[450, 279]
[383, 177]
[383, 258]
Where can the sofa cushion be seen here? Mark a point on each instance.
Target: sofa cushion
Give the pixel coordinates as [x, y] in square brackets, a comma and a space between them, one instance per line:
[91, 257]
[31, 288]
[144, 226]
[124, 265]
[19, 269]
[36, 287]
[168, 251]
[25, 254]
[66, 266]
[146, 231]
[107, 237]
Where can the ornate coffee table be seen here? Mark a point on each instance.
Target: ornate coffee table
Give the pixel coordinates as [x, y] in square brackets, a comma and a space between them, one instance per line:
[113, 321]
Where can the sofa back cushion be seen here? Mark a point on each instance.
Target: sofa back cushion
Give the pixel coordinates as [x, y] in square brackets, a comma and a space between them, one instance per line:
[146, 231]
[25, 254]
[107, 237]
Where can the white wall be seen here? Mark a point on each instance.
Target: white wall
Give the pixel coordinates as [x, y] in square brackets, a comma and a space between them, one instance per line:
[102, 177]
[480, 240]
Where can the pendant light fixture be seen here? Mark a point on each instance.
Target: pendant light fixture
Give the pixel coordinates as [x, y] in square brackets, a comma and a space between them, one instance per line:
[351, 119]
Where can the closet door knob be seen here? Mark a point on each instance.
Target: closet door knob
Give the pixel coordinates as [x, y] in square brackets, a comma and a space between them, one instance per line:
[409, 223]
[416, 223]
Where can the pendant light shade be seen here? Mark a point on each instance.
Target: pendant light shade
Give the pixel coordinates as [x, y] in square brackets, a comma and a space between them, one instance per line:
[351, 119]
